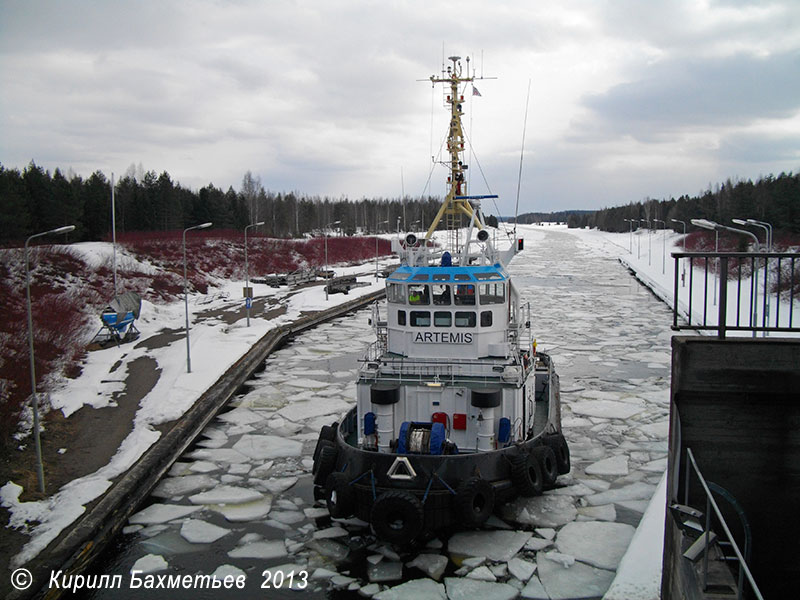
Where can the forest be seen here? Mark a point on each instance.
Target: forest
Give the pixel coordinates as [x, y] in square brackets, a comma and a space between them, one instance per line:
[34, 200]
[775, 200]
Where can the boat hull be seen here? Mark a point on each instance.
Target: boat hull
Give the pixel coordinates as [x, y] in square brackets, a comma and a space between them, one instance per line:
[406, 497]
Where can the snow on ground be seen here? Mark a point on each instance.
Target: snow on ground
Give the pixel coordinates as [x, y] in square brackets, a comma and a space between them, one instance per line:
[214, 347]
[610, 342]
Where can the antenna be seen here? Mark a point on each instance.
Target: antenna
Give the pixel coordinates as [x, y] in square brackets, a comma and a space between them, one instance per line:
[521, 156]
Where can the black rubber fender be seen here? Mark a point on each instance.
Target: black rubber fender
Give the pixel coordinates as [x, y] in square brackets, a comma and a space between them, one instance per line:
[526, 475]
[326, 434]
[474, 501]
[340, 496]
[325, 463]
[397, 517]
[547, 461]
[561, 450]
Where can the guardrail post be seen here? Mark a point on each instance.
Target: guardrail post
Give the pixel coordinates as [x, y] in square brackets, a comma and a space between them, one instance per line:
[675, 297]
[722, 317]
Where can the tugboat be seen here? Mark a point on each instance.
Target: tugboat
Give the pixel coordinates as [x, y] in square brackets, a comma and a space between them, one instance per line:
[457, 411]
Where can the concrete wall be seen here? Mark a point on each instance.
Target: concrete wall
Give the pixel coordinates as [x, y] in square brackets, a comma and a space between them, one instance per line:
[736, 404]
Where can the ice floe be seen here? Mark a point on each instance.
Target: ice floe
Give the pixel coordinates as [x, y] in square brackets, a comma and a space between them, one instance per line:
[150, 563]
[597, 543]
[226, 494]
[263, 447]
[249, 511]
[495, 545]
[541, 511]
[161, 513]
[260, 550]
[200, 532]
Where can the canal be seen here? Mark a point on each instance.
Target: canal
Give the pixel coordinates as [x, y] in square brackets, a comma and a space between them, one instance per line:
[240, 501]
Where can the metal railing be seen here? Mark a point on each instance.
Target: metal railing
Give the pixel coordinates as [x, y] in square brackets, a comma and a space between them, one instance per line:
[744, 570]
[753, 282]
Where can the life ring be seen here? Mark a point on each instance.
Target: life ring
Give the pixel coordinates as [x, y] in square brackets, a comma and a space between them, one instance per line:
[325, 463]
[474, 501]
[397, 517]
[340, 496]
[526, 475]
[547, 461]
[561, 450]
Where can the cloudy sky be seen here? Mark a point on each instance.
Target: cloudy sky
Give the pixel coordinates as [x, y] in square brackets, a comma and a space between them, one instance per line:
[628, 98]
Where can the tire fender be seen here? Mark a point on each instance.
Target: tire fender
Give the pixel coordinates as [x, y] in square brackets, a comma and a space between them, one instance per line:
[526, 475]
[547, 461]
[340, 496]
[475, 501]
[325, 463]
[561, 450]
[397, 517]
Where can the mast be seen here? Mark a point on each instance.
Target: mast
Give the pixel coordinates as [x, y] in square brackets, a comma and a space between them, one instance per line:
[455, 204]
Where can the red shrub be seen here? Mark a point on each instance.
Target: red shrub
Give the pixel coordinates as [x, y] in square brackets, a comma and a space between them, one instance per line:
[67, 295]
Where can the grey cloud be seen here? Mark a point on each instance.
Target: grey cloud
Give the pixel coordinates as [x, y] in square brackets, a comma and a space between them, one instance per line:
[680, 94]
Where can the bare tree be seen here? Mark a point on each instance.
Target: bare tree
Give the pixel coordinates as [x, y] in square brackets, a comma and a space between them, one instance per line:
[251, 191]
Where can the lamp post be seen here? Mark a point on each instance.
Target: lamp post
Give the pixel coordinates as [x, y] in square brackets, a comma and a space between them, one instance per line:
[768, 239]
[640, 237]
[630, 237]
[186, 292]
[327, 276]
[249, 294]
[376, 245]
[34, 397]
[715, 227]
[705, 224]
[683, 271]
[663, 245]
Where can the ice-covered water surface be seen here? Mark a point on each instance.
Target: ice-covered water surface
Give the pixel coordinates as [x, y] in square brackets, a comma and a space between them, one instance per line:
[241, 500]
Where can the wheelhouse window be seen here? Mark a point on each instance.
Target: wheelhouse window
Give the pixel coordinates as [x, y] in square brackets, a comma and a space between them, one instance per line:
[420, 318]
[442, 319]
[441, 294]
[401, 317]
[418, 294]
[486, 318]
[465, 319]
[395, 293]
[492, 293]
[465, 294]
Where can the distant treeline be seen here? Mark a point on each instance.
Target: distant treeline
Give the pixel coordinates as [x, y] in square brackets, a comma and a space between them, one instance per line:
[775, 200]
[553, 217]
[33, 200]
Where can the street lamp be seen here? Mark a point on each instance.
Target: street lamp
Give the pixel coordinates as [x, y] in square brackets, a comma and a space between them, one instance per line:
[768, 239]
[640, 239]
[326, 256]
[663, 246]
[248, 292]
[376, 245]
[186, 292]
[763, 224]
[34, 397]
[630, 237]
[705, 224]
[683, 272]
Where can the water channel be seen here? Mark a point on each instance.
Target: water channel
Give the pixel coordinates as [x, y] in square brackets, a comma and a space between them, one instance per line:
[240, 500]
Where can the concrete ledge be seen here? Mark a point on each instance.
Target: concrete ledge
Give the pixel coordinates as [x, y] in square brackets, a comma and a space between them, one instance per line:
[80, 544]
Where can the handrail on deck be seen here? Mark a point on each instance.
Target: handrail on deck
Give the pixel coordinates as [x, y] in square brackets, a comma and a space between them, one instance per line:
[744, 570]
[753, 312]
